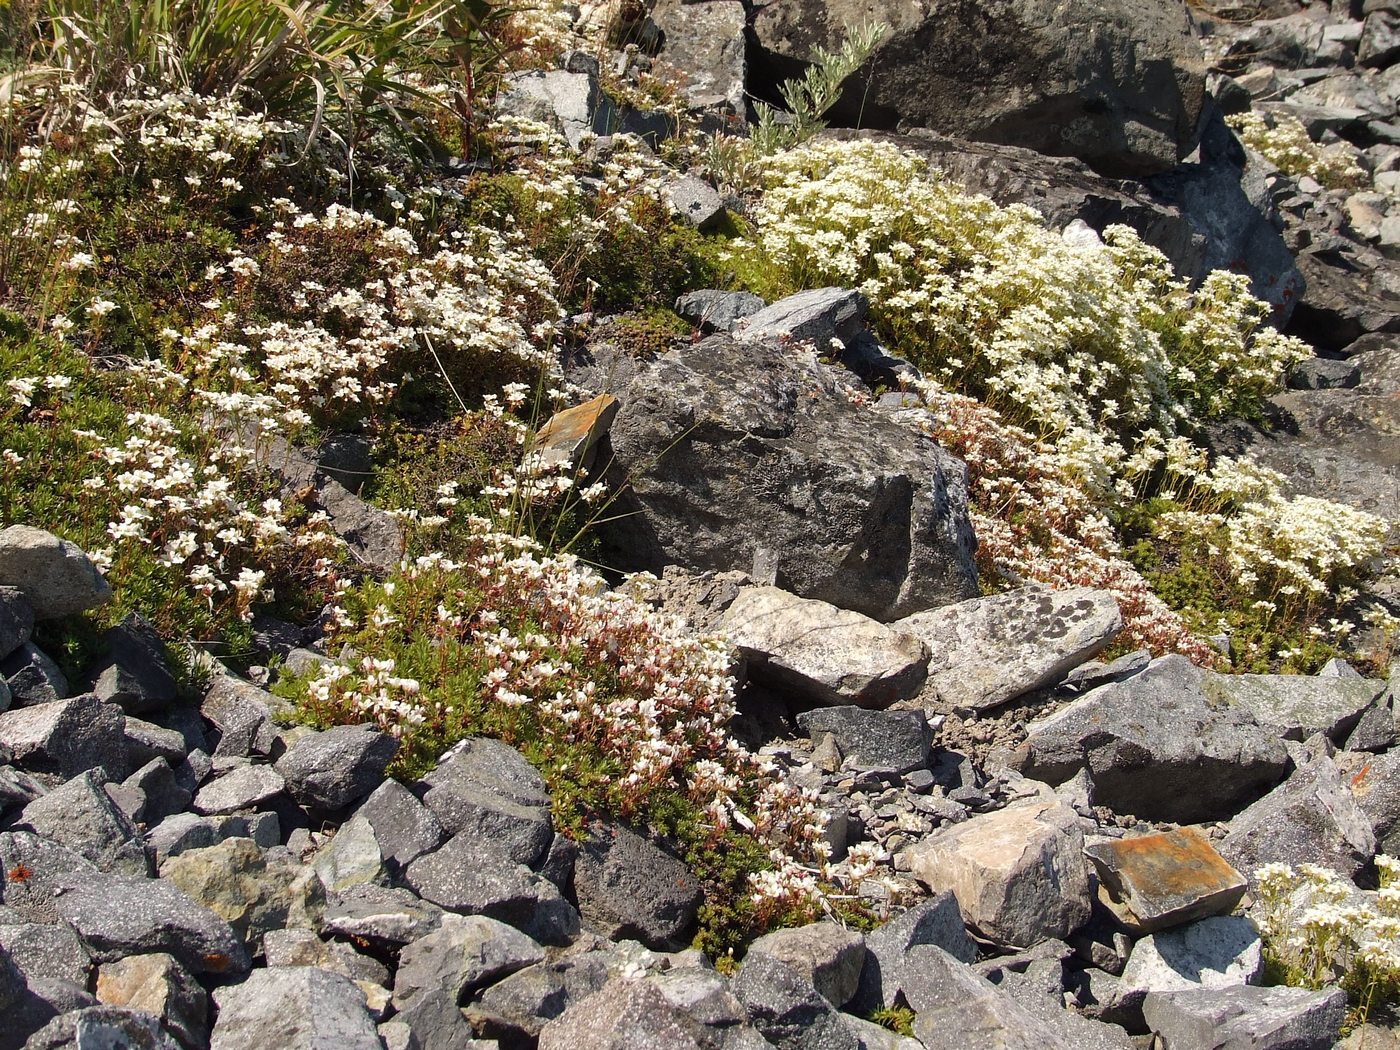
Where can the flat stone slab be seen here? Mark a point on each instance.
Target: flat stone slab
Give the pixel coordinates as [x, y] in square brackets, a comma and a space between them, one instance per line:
[989, 650]
[570, 436]
[1299, 706]
[1151, 882]
[898, 740]
[830, 655]
[1295, 1018]
[1220, 952]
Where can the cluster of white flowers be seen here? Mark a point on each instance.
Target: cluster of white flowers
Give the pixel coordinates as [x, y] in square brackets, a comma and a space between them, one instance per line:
[1284, 142]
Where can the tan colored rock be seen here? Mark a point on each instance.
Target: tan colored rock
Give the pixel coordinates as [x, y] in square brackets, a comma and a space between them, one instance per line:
[158, 985]
[1018, 873]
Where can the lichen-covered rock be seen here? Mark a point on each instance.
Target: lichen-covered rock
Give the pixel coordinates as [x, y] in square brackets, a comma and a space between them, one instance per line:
[294, 1008]
[1152, 882]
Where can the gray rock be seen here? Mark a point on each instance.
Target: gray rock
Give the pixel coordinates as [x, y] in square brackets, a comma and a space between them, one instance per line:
[382, 917]
[300, 947]
[16, 620]
[571, 102]
[1311, 818]
[712, 310]
[490, 792]
[158, 985]
[161, 790]
[32, 677]
[117, 917]
[952, 1001]
[462, 956]
[332, 769]
[32, 873]
[1246, 1018]
[242, 714]
[1374, 781]
[629, 888]
[134, 674]
[179, 832]
[293, 1008]
[1380, 39]
[1093, 674]
[622, 1015]
[434, 1022]
[17, 789]
[744, 456]
[67, 737]
[48, 950]
[81, 816]
[1319, 373]
[696, 202]
[1297, 706]
[825, 654]
[898, 740]
[404, 828]
[705, 42]
[786, 1009]
[44, 1000]
[1220, 952]
[701, 993]
[815, 316]
[350, 858]
[516, 1008]
[989, 650]
[102, 1028]
[54, 575]
[1120, 85]
[466, 877]
[243, 787]
[1018, 873]
[1155, 746]
[11, 980]
[898, 953]
[252, 891]
[146, 741]
[1375, 729]
[828, 955]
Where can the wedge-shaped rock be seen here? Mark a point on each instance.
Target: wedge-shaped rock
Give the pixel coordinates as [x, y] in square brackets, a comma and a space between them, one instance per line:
[243, 787]
[622, 1014]
[1374, 781]
[1311, 818]
[102, 1026]
[571, 436]
[162, 987]
[752, 457]
[82, 816]
[1157, 747]
[1257, 1018]
[294, 1008]
[487, 791]
[331, 769]
[989, 650]
[895, 962]
[515, 1009]
[829, 955]
[404, 828]
[463, 955]
[67, 737]
[1223, 951]
[1018, 873]
[1298, 706]
[1154, 881]
[828, 655]
[787, 1009]
[55, 576]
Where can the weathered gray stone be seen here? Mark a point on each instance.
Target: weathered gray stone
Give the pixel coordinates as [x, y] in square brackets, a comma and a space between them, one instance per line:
[293, 1008]
[243, 787]
[622, 1015]
[54, 575]
[1311, 818]
[44, 1000]
[386, 918]
[825, 654]
[102, 1028]
[629, 888]
[67, 737]
[81, 816]
[751, 457]
[516, 1008]
[488, 791]
[161, 790]
[1380, 39]
[1155, 746]
[712, 310]
[701, 993]
[16, 620]
[434, 1022]
[468, 877]
[47, 950]
[31, 677]
[1018, 873]
[11, 980]
[32, 872]
[242, 714]
[815, 316]
[117, 917]
[1223, 951]
[1118, 84]
[332, 769]
[351, 857]
[134, 674]
[160, 986]
[696, 202]
[301, 947]
[404, 828]
[1374, 781]
[828, 955]
[1246, 1018]
[986, 651]
[786, 1009]
[1152, 882]
[898, 740]
[252, 892]
[1298, 706]
[462, 956]
[706, 43]
[570, 102]
[897, 953]
[146, 741]
[179, 832]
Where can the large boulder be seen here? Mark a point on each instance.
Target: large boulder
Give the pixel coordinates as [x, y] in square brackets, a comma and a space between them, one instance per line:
[752, 457]
[55, 576]
[1118, 83]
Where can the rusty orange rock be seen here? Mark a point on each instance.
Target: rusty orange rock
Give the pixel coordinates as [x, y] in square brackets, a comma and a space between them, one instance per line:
[570, 435]
[1151, 882]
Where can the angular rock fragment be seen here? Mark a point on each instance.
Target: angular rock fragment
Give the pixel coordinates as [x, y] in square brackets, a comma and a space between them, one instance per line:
[16, 620]
[32, 677]
[33, 871]
[516, 1008]
[242, 713]
[1152, 882]
[1295, 1018]
[713, 310]
[630, 888]
[1298, 706]
[382, 917]
[100, 1027]
[293, 1008]
[570, 438]
[243, 787]
[705, 42]
[462, 956]
[1018, 873]
[67, 737]
[47, 950]
[404, 828]
[898, 740]
[331, 769]
[487, 791]
[160, 986]
[1155, 746]
[1223, 951]
[621, 1014]
[897, 954]
[825, 654]
[81, 815]
[828, 955]
[989, 650]
[301, 947]
[351, 857]
[134, 675]
[785, 1007]
[54, 575]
